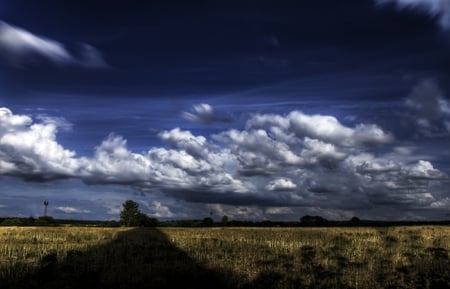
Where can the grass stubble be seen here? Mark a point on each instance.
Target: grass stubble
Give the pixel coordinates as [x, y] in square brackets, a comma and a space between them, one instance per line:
[353, 257]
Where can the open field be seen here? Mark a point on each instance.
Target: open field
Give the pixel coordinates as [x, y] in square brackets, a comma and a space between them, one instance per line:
[79, 257]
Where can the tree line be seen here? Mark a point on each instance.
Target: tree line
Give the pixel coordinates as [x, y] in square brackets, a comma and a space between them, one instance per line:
[131, 216]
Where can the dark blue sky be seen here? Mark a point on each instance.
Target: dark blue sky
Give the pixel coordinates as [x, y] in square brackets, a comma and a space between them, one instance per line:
[254, 109]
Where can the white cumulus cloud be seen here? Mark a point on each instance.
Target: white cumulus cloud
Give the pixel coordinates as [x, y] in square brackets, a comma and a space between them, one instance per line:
[31, 148]
[280, 185]
[323, 127]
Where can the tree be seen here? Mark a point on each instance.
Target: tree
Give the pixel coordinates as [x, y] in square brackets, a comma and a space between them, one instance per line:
[45, 221]
[131, 216]
[146, 221]
[224, 220]
[313, 220]
[207, 222]
[355, 220]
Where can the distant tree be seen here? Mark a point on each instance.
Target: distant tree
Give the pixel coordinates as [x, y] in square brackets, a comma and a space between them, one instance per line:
[18, 222]
[355, 220]
[224, 220]
[30, 221]
[12, 222]
[45, 221]
[313, 220]
[207, 222]
[266, 223]
[111, 223]
[131, 216]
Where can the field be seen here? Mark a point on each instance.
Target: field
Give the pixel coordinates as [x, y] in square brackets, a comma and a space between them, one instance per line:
[81, 257]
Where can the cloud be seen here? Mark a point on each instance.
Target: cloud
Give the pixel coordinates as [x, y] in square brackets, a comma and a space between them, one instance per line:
[19, 47]
[237, 212]
[157, 209]
[276, 161]
[166, 169]
[431, 109]
[435, 8]
[330, 214]
[72, 210]
[424, 169]
[196, 146]
[278, 211]
[205, 114]
[257, 152]
[59, 122]
[442, 204]
[280, 185]
[324, 128]
[90, 57]
[31, 150]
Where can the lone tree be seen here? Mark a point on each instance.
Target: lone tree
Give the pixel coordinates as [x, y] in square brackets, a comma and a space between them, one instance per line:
[131, 216]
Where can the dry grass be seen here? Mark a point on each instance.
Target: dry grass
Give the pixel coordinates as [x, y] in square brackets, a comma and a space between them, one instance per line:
[396, 257]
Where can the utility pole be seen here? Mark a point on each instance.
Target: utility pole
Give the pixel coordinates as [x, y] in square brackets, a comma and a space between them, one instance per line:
[45, 208]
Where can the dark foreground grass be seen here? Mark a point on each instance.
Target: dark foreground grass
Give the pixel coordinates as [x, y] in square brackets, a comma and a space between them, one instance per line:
[69, 257]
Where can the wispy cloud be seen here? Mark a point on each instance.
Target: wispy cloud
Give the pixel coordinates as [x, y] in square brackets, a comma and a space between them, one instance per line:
[20, 47]
[72, 210]
[435, 8]
[278, 211]
[59, 122]
[204, 113]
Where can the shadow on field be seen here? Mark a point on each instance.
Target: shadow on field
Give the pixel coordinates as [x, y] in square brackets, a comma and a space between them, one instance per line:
[146, 258]
[137, 258]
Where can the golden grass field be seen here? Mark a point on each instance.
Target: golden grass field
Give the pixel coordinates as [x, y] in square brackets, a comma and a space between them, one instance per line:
[83, 257]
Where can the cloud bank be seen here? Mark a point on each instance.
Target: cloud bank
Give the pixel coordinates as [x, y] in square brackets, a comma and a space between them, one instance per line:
[19, 47]
[277, 161]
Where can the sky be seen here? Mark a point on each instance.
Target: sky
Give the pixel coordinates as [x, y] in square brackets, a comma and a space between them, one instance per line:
[258, 110]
